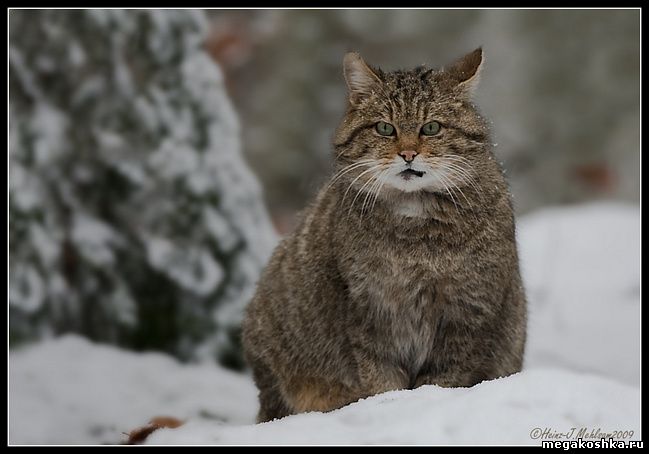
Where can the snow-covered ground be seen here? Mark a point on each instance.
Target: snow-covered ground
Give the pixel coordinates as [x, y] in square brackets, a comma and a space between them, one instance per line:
[495, 412]
[581, 266]
[73, 391]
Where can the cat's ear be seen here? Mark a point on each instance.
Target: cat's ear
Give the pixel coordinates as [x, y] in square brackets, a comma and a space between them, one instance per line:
[466, 71]
[361, 79]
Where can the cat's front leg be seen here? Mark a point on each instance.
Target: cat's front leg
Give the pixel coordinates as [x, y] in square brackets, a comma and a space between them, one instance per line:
[377, 376]
[306, 394]
[461, 366]
[317, 394]
[462, 379]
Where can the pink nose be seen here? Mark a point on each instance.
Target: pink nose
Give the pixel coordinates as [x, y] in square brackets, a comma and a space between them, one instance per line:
[408, 155]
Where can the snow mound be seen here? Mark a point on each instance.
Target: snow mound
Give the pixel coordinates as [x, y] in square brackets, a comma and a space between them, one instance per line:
[70, 390]
[581, 268]
[503, 411]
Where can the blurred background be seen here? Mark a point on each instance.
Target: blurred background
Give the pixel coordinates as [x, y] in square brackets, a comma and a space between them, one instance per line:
[156, 156]
[560, 87]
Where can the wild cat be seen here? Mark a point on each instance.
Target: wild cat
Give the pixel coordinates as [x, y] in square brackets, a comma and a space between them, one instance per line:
[404, 270]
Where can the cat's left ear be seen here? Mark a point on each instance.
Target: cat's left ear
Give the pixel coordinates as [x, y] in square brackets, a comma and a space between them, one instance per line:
[466, 72]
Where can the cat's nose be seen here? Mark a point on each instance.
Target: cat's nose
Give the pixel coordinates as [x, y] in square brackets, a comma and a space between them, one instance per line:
[408, 155]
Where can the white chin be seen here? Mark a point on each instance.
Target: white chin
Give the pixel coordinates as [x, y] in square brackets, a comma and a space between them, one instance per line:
[413, 183]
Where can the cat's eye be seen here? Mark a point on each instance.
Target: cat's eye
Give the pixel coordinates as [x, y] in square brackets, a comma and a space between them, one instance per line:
[385, 129]
[430, 129]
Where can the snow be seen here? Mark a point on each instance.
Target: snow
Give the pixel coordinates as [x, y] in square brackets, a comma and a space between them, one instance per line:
[581, 268]
[27, 287]
[194, 270]
[49, 125]
[220, 229]
[500, 411]
[94, 239]
[73, 391]
[22, 73]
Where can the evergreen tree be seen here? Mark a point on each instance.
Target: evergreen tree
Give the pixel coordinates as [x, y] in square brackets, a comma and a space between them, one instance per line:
[133, 218]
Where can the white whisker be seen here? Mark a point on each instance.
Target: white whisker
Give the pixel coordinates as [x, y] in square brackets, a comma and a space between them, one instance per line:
[371, 169]
[475, 218]
[448, 190]
[454, 163]
[464, 175]
[360, 191]
[383, 180]
[347, 169]
[377, 182]
[454, 184]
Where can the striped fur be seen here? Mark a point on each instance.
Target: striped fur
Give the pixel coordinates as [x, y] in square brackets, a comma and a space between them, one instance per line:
[391, 282]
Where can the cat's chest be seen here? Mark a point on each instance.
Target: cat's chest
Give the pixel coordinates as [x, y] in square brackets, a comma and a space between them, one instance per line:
[404, 293]
[390, 271]
[407, 331]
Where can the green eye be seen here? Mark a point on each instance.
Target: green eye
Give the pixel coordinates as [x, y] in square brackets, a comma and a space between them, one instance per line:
[430, 129]
[385, 129]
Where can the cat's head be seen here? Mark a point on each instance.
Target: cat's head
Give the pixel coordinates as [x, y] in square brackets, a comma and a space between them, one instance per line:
[412, 131]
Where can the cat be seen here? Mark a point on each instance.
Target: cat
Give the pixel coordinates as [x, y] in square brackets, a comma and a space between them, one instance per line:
[404, 270]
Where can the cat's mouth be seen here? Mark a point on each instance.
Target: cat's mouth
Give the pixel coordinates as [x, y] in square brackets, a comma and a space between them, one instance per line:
[411, 173]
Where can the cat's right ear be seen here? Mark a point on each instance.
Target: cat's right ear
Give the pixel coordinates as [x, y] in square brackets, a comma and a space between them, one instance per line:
[361, 79]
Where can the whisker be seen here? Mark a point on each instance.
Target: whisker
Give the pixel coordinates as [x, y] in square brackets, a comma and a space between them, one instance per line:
[377, 182]
[465, 176]
[347, 169]
[454, 184]
[369, 192]
[356, 179]
[448, 191]
[360, 191]
[457, 161]
[453, 163]
[371, 169]
[383, 180]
